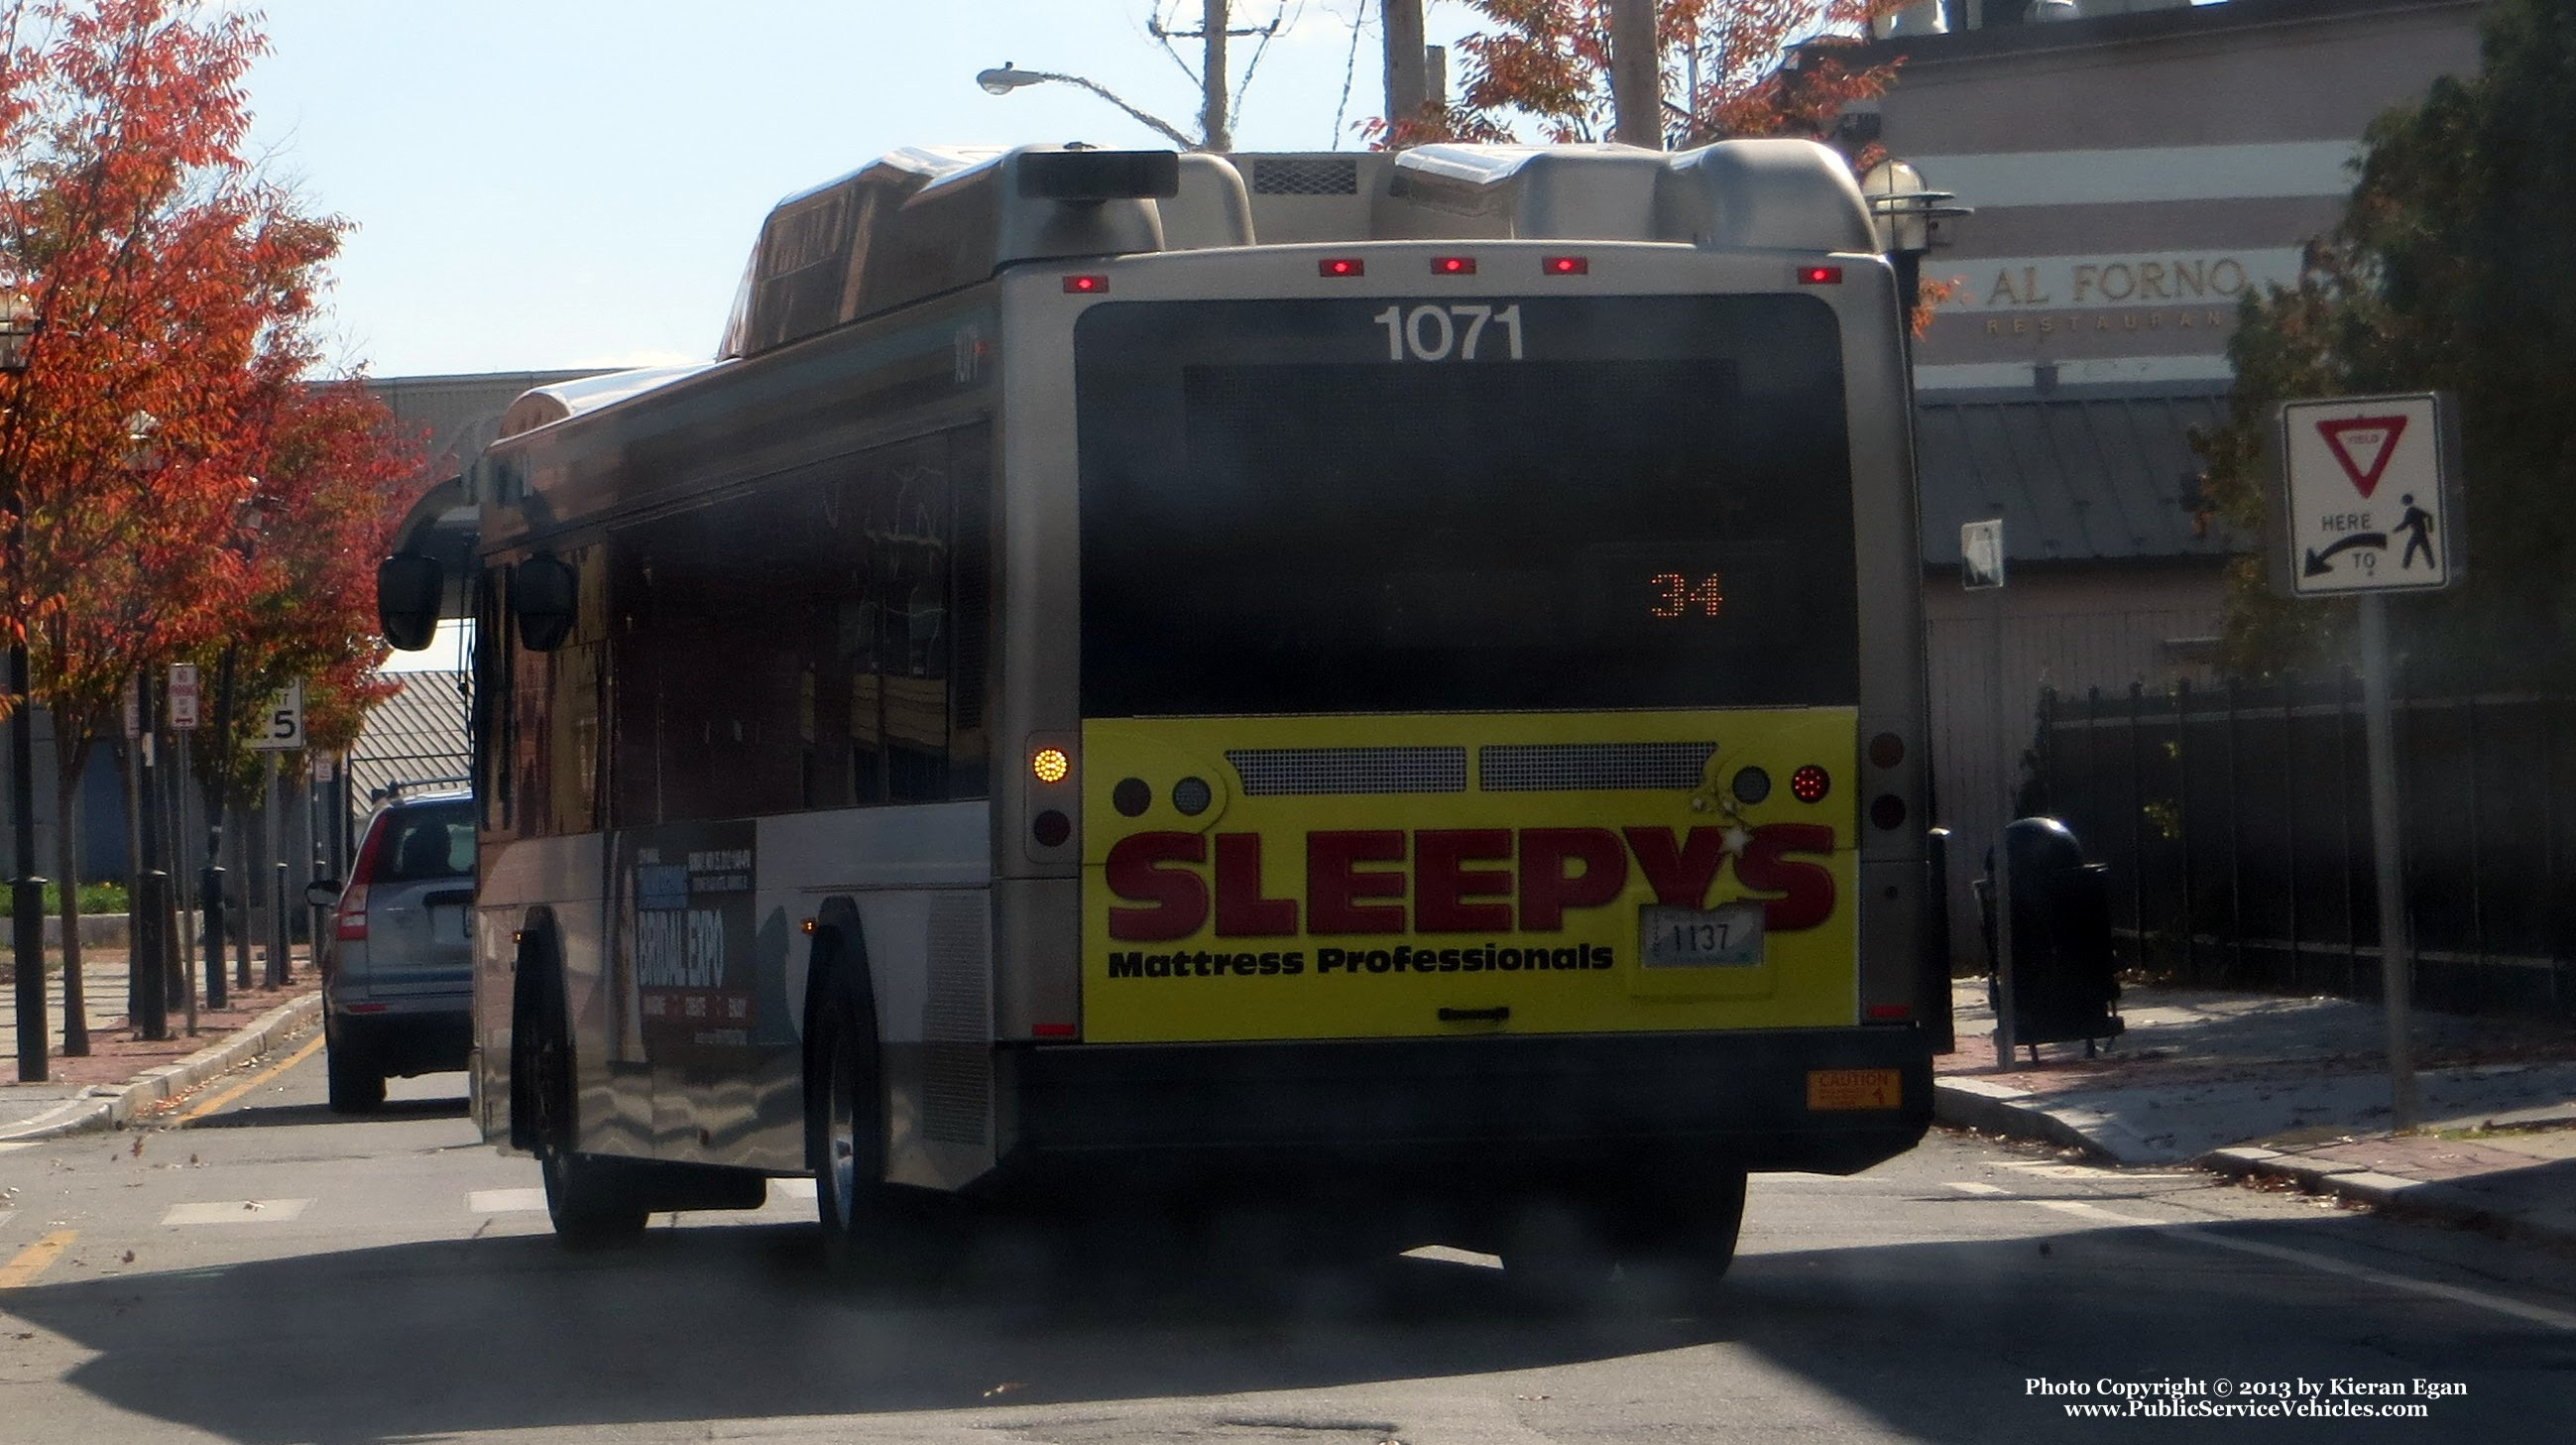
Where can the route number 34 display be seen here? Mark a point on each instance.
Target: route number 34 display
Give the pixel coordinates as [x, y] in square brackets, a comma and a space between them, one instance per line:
[1447, 333]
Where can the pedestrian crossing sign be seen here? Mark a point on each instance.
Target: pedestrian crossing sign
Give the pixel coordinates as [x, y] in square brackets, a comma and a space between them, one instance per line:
[2370, 494]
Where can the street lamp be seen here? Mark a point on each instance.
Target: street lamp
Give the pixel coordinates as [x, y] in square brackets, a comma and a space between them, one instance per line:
[26, 891]
[1006, 77]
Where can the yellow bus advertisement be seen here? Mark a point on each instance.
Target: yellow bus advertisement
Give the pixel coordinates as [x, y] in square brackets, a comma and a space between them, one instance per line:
[1412, 876]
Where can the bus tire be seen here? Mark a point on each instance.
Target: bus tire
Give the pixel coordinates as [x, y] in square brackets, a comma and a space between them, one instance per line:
[1681, 1254]
[1558, 1256]
[356, 1087]
[590, 1200]
[845, 1130]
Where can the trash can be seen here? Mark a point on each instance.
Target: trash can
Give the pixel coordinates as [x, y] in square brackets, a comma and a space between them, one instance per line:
[2065, 983]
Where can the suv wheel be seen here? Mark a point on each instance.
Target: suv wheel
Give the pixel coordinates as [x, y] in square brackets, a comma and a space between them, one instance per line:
[356, 1086]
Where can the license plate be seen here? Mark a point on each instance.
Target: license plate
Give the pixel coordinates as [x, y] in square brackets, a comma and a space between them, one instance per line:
[447, 925]
[1854, 1089]
[1728, 937]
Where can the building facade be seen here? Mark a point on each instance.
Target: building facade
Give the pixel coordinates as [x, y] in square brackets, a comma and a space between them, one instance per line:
[2138, 168]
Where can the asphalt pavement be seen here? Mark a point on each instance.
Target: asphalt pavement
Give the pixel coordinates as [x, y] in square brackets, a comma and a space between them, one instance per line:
[2240, 1084]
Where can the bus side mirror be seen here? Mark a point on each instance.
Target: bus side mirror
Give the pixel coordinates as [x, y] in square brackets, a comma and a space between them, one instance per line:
[407, 593]
[541, 593]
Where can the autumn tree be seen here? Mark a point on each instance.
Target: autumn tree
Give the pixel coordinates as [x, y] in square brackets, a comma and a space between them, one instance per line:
[2446, 272]
[1727, 68]
[164, 405]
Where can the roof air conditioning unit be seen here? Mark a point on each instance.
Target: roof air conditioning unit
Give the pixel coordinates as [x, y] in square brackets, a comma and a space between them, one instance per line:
[1914, 21]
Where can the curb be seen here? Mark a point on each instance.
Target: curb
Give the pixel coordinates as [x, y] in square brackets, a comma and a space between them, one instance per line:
[2427, 1199]
[2003, 1109]
[109, 1106]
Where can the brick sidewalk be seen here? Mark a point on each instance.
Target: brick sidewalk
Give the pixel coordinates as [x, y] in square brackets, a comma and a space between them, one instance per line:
[116, 1054]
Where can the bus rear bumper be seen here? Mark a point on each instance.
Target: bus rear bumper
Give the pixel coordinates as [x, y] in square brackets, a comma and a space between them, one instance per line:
[1485, 1109]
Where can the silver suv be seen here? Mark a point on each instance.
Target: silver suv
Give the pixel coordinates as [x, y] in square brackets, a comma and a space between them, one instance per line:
[397, 976]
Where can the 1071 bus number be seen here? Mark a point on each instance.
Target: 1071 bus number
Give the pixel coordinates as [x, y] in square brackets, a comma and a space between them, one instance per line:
[1447, 333]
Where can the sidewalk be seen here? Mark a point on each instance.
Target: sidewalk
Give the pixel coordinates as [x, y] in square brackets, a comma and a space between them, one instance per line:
[2297, 1089]
[124, 1075]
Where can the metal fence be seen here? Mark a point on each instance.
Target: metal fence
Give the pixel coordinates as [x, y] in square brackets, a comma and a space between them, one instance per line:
[2237, 825]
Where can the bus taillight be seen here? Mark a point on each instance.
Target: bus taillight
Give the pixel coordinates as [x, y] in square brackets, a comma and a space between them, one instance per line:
[1051, 765]
[1810, 784]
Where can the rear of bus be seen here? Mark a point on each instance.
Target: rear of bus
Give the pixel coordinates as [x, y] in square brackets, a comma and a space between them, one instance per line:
[1478, 740]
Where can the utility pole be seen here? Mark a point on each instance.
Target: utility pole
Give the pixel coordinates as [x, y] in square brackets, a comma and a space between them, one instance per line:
[1212, 105]
[1636, 76]
[1216, 130]
[1408, 86]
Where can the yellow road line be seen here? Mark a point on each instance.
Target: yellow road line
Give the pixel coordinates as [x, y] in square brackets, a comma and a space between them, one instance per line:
[254, 1081]
[31, 1261]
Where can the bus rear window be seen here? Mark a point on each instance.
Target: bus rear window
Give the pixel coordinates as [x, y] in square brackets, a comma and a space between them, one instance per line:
[1648, 506]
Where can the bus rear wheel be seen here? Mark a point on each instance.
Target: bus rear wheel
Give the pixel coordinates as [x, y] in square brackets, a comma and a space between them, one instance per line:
[1679, 1254]
[863, 1237]
[588, 1199]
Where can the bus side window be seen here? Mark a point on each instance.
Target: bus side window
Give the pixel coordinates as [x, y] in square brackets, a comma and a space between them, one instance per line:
[495, 717]
[970, 611]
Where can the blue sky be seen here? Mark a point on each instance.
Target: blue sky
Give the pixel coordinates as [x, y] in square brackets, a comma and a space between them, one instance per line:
[558, 183]
[554, 183]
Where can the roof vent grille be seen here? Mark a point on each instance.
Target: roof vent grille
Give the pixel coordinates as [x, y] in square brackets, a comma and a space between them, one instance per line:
[1306, 176]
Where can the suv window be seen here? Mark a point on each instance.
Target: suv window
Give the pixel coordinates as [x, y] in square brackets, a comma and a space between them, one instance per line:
[428, 843]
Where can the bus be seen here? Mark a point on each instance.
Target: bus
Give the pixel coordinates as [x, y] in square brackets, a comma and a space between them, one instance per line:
[1388, 685]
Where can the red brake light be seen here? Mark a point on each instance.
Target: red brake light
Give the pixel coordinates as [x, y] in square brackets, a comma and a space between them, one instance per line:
[351, 919]
[1453, 265]
[1889, 1011]
[1820, 275]
[1085, 285]
[1051, 1031]
[1809, 784]
[1566, 265]
[1341, 266]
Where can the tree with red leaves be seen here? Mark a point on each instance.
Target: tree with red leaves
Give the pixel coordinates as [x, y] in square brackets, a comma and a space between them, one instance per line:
[164, 405]
[1728, 68]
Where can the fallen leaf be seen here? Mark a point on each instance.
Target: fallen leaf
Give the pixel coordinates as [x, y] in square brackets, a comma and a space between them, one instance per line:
[137, 1151]
[129, 1257]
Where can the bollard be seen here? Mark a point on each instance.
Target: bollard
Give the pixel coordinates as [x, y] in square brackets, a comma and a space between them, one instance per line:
[210, 907]
[151, 997]
[279, 970]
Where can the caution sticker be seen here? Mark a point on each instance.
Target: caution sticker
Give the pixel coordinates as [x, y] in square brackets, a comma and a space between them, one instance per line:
[1853, 1089]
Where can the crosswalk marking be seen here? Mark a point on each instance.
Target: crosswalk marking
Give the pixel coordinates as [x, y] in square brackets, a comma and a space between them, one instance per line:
[2082, 1210]
[1972, 1186]
[505, 1201]
[236, 1211]
[2088, 1171]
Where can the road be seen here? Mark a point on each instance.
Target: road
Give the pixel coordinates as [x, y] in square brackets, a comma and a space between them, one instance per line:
[272, 1272]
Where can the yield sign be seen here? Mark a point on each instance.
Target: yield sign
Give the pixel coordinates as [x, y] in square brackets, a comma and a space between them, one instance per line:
[2362, 446]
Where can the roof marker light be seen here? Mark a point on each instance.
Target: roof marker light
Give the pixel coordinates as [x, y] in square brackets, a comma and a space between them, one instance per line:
[1341, 266]
[1820, 275]
[1453, 265]
[1566, 265]
[1086, 285]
